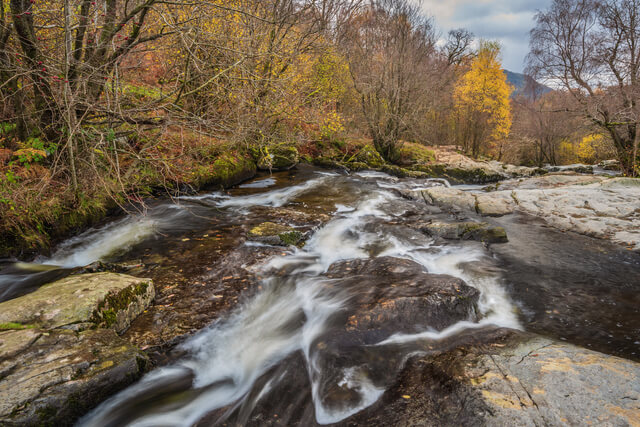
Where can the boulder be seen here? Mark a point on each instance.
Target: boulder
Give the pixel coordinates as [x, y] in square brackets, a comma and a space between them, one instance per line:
[399, 295]
[507, 378]
[51, 377]
[368, 156]
[480, 231]
[497, 204]
[578, 168]
[278, 158]
[78, 302]
[450, 198]
[275, 234]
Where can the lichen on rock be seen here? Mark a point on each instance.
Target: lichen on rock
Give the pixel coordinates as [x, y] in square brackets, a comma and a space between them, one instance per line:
[275, 234]
[102, 299]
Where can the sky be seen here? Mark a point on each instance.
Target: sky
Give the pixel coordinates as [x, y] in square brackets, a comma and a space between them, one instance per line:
[507, 21]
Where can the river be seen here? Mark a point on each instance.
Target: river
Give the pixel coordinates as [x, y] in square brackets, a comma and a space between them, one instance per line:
[235, 319]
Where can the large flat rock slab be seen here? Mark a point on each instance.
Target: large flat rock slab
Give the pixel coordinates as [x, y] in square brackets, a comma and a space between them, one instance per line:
[53, 377]
[78, 302]
[542, 382]
[605, 208]
[507, 378]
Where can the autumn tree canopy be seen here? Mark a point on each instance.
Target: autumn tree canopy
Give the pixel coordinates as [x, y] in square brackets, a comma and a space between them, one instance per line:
[482, 101]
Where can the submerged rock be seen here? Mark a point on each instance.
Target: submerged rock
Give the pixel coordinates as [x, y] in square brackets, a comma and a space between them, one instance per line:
[102, 299]
[275, 234]
[466, 231]
[53, 377]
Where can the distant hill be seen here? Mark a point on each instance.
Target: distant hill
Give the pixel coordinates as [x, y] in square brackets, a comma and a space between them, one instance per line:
[519, 82]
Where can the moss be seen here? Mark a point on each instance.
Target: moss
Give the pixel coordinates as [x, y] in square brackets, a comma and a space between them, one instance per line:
[367, 155]
[326, 162]
[46, 414]
[484, 233]
[278, 157]
[105, 315]
[268, 229]
[358, 166]
[276, 234]
[13, 325]
[415, 154]
[403, 172]
[291, 237]
[472, 176]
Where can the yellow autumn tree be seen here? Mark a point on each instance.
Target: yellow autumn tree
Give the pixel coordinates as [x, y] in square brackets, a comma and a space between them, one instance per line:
[482, 101]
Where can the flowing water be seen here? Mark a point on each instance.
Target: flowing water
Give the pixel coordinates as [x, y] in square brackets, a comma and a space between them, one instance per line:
[225, 369]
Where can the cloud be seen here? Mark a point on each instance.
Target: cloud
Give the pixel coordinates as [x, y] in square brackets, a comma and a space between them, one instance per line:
[507, 21]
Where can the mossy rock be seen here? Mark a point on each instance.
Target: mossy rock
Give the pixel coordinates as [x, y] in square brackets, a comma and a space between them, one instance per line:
[226, 171]
[358, 166]
[415, 154]
[79, 302]
[403, 172]
[275, 234]
[472, 176]
[480, 231]
[367, 155]
[278, 157]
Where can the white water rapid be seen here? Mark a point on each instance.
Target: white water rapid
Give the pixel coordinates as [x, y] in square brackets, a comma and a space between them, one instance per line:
[226, 359]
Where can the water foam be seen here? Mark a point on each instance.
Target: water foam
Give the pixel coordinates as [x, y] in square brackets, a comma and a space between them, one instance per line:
[290, 313]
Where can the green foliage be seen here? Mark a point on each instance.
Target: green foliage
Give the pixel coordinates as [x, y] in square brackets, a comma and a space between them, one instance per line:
[7, 128]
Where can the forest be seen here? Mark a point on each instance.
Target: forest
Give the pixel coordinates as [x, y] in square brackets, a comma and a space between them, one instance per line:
[107, 102]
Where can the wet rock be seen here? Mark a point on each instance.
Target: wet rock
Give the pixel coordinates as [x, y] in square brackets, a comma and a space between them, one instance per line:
[275, 234]
[278, 158]
[610, 165]
[53, 377]
[466, 231]
[400, 172]
[578, 168]
[104, 299]
[543, 382]
[503, 377]
[399, 295]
